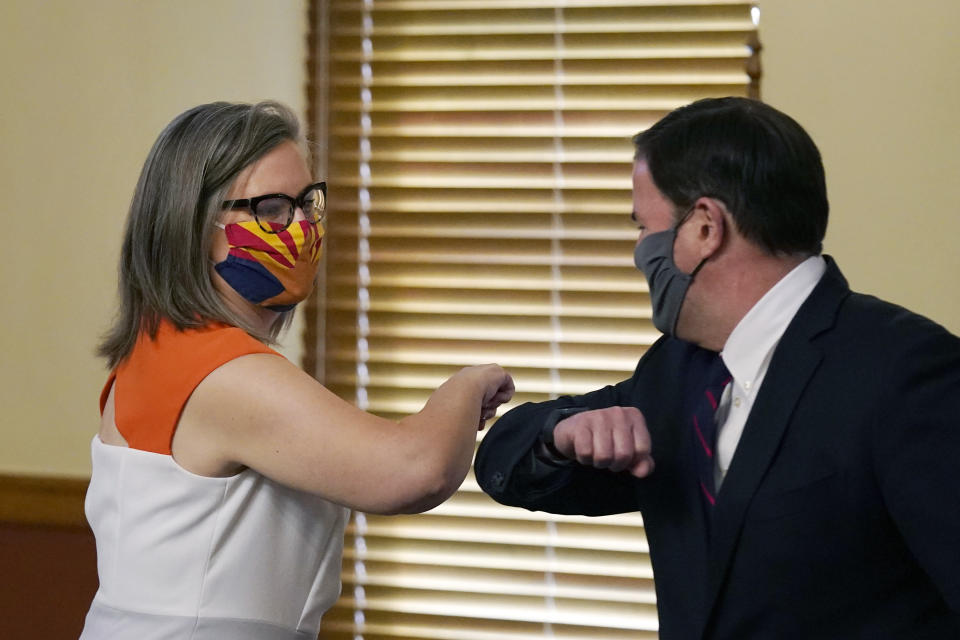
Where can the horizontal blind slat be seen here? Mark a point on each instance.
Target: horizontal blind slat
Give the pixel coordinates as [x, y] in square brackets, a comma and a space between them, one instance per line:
[378, 625]
[462, 5]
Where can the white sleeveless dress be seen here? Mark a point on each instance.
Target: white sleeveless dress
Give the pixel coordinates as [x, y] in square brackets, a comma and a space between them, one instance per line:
[188, 557]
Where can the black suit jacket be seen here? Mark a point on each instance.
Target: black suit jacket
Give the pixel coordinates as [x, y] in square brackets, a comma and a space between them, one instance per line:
[839, 516]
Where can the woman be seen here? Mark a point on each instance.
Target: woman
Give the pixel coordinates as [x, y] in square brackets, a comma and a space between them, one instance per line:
[222, 473]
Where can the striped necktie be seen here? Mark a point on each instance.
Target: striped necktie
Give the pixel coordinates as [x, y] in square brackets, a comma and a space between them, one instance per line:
[707, 392]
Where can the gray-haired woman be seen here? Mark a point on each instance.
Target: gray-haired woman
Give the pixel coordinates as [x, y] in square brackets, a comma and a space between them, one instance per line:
[222, 473]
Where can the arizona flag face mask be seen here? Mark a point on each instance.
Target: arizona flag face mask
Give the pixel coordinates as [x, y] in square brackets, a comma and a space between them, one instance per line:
[273, 270]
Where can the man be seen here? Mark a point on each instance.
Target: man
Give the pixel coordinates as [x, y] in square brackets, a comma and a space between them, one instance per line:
[810, 486]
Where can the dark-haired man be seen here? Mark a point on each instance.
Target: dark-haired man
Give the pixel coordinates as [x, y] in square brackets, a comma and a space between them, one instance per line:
[794, 447]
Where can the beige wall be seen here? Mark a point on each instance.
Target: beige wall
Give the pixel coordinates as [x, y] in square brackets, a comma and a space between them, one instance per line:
[86, 88]
[877, 85]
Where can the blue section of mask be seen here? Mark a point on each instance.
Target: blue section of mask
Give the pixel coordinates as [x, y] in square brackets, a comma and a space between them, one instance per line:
[250, 279]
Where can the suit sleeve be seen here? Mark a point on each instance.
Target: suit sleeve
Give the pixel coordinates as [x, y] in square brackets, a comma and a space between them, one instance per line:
[512, 473]
[917, 451]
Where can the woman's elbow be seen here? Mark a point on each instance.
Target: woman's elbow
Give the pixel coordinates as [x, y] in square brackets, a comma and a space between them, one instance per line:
[428, 485]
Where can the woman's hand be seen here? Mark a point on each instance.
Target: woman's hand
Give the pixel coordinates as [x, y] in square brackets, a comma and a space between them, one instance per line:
[496, 388]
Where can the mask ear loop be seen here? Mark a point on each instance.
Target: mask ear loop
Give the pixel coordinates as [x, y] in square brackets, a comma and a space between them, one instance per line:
[684, 218]
[697, 268]
[691, 277]
[676, 228]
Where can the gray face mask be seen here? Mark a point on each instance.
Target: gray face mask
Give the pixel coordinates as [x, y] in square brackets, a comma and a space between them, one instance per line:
[668, 284]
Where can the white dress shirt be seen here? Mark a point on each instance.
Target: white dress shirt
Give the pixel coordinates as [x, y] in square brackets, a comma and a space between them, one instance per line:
[748, 350]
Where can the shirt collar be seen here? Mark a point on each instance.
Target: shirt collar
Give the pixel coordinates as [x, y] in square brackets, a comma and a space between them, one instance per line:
[751, 343]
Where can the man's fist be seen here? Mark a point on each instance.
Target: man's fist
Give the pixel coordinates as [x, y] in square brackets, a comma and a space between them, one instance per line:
[615, 438]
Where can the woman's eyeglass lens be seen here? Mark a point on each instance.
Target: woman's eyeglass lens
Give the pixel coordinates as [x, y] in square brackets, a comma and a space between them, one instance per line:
[275, 212]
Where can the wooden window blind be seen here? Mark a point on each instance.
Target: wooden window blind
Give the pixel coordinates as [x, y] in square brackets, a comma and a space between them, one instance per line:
[479, 162]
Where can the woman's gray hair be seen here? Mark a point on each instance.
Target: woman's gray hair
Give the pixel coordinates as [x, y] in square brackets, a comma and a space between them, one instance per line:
[165, 268]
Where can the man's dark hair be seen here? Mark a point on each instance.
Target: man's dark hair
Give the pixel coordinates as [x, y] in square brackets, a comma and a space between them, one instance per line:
[756, 160]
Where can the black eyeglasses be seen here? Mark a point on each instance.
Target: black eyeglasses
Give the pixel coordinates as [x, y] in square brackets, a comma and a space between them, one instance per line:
[274, 211]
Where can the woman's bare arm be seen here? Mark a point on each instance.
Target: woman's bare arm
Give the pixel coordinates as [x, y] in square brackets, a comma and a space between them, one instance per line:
[262, 412]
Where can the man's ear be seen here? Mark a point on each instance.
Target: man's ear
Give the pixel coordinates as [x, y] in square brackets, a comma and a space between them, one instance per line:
[709, 219]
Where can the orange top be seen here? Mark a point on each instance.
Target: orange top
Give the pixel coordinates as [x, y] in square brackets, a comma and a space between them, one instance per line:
[155, 381]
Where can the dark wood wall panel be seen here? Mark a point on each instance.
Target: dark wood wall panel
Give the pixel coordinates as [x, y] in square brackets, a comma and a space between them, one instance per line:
[48, 565]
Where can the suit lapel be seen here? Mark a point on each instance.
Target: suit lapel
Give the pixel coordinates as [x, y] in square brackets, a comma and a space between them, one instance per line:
[794, 362]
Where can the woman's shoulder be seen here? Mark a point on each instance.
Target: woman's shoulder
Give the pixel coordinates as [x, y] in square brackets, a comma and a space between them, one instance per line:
[163, 371]
[184, 348]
